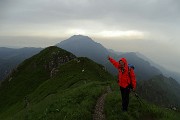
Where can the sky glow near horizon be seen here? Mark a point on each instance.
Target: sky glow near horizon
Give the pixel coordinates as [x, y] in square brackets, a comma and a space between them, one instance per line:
[149, 27]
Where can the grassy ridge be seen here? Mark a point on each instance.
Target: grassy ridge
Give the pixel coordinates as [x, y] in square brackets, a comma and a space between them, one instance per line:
[72, 93]
[76, 103]
[136, 111]
[27, 77]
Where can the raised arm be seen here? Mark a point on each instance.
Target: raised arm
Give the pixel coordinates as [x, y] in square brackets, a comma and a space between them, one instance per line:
[114, 62]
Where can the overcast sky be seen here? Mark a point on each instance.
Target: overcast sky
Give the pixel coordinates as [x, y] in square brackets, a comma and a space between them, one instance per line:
[150, 27]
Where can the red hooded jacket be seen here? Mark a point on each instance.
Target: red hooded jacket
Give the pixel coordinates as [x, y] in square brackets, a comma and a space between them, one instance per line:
[124, 77]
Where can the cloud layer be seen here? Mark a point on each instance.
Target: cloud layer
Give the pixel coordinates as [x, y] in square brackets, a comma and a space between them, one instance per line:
[114, 23]
[41, 16]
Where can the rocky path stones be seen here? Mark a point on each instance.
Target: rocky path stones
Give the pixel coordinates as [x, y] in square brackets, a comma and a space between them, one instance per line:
[99, 108]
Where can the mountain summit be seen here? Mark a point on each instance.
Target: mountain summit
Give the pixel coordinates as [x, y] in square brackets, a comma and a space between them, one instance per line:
[83, 46]
[80, 38]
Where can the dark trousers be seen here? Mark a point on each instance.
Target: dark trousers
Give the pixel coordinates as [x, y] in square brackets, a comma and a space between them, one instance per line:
[125, 98]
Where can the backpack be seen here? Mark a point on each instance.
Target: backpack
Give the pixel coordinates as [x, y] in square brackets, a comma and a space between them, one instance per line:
[130, 86]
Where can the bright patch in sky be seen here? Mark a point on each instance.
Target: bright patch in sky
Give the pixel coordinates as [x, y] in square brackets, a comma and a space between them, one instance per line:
[129, 34]
[123, 34]
[136, 23]
[75, 32]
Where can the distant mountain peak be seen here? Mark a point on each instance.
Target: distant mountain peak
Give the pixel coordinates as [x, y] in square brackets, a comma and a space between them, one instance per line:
[84, 46]
[80, 38]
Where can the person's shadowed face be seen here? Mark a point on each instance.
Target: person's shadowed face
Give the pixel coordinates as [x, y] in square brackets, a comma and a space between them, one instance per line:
[121, 64]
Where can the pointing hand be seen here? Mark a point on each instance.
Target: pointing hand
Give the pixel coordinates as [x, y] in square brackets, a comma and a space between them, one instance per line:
[108, 57]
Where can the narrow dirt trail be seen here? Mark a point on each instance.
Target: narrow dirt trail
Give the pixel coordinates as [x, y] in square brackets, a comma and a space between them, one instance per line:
[99, 108]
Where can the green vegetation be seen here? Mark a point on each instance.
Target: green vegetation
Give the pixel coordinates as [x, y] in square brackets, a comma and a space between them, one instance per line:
[145, 111]
[70, 94]
[32, 93]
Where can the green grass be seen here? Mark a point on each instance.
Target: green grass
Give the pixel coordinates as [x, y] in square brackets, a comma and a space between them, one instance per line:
[69, 95]
[76, 103]
[135, 112]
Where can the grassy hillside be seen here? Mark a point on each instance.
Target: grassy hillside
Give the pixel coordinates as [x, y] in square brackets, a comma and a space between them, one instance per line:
[55, 85]
[136, 111]
[71, 93]
[29, 75]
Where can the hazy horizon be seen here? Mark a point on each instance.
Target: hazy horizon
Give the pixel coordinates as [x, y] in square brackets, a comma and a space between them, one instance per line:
[149, 27]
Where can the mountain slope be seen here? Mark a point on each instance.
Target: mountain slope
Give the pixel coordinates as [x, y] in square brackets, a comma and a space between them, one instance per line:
[167, 73]
[143, 69]
[76, 83]
[138, 109]
[61, 86]
[30, 74]
[83, 46]
[165, 91]
[10, 58]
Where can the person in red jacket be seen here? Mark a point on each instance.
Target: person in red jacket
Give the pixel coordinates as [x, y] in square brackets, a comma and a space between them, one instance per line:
[126, 77]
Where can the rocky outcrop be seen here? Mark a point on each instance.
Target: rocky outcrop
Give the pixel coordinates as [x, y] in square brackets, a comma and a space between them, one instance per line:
[55, 61]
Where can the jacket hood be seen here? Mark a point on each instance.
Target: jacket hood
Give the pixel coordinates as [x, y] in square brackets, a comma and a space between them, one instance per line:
[124, 60]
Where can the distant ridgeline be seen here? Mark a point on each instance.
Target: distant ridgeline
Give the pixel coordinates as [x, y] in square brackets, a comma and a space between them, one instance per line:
[160, 90]
[56, 85]
[83, 46]
[11, 57]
